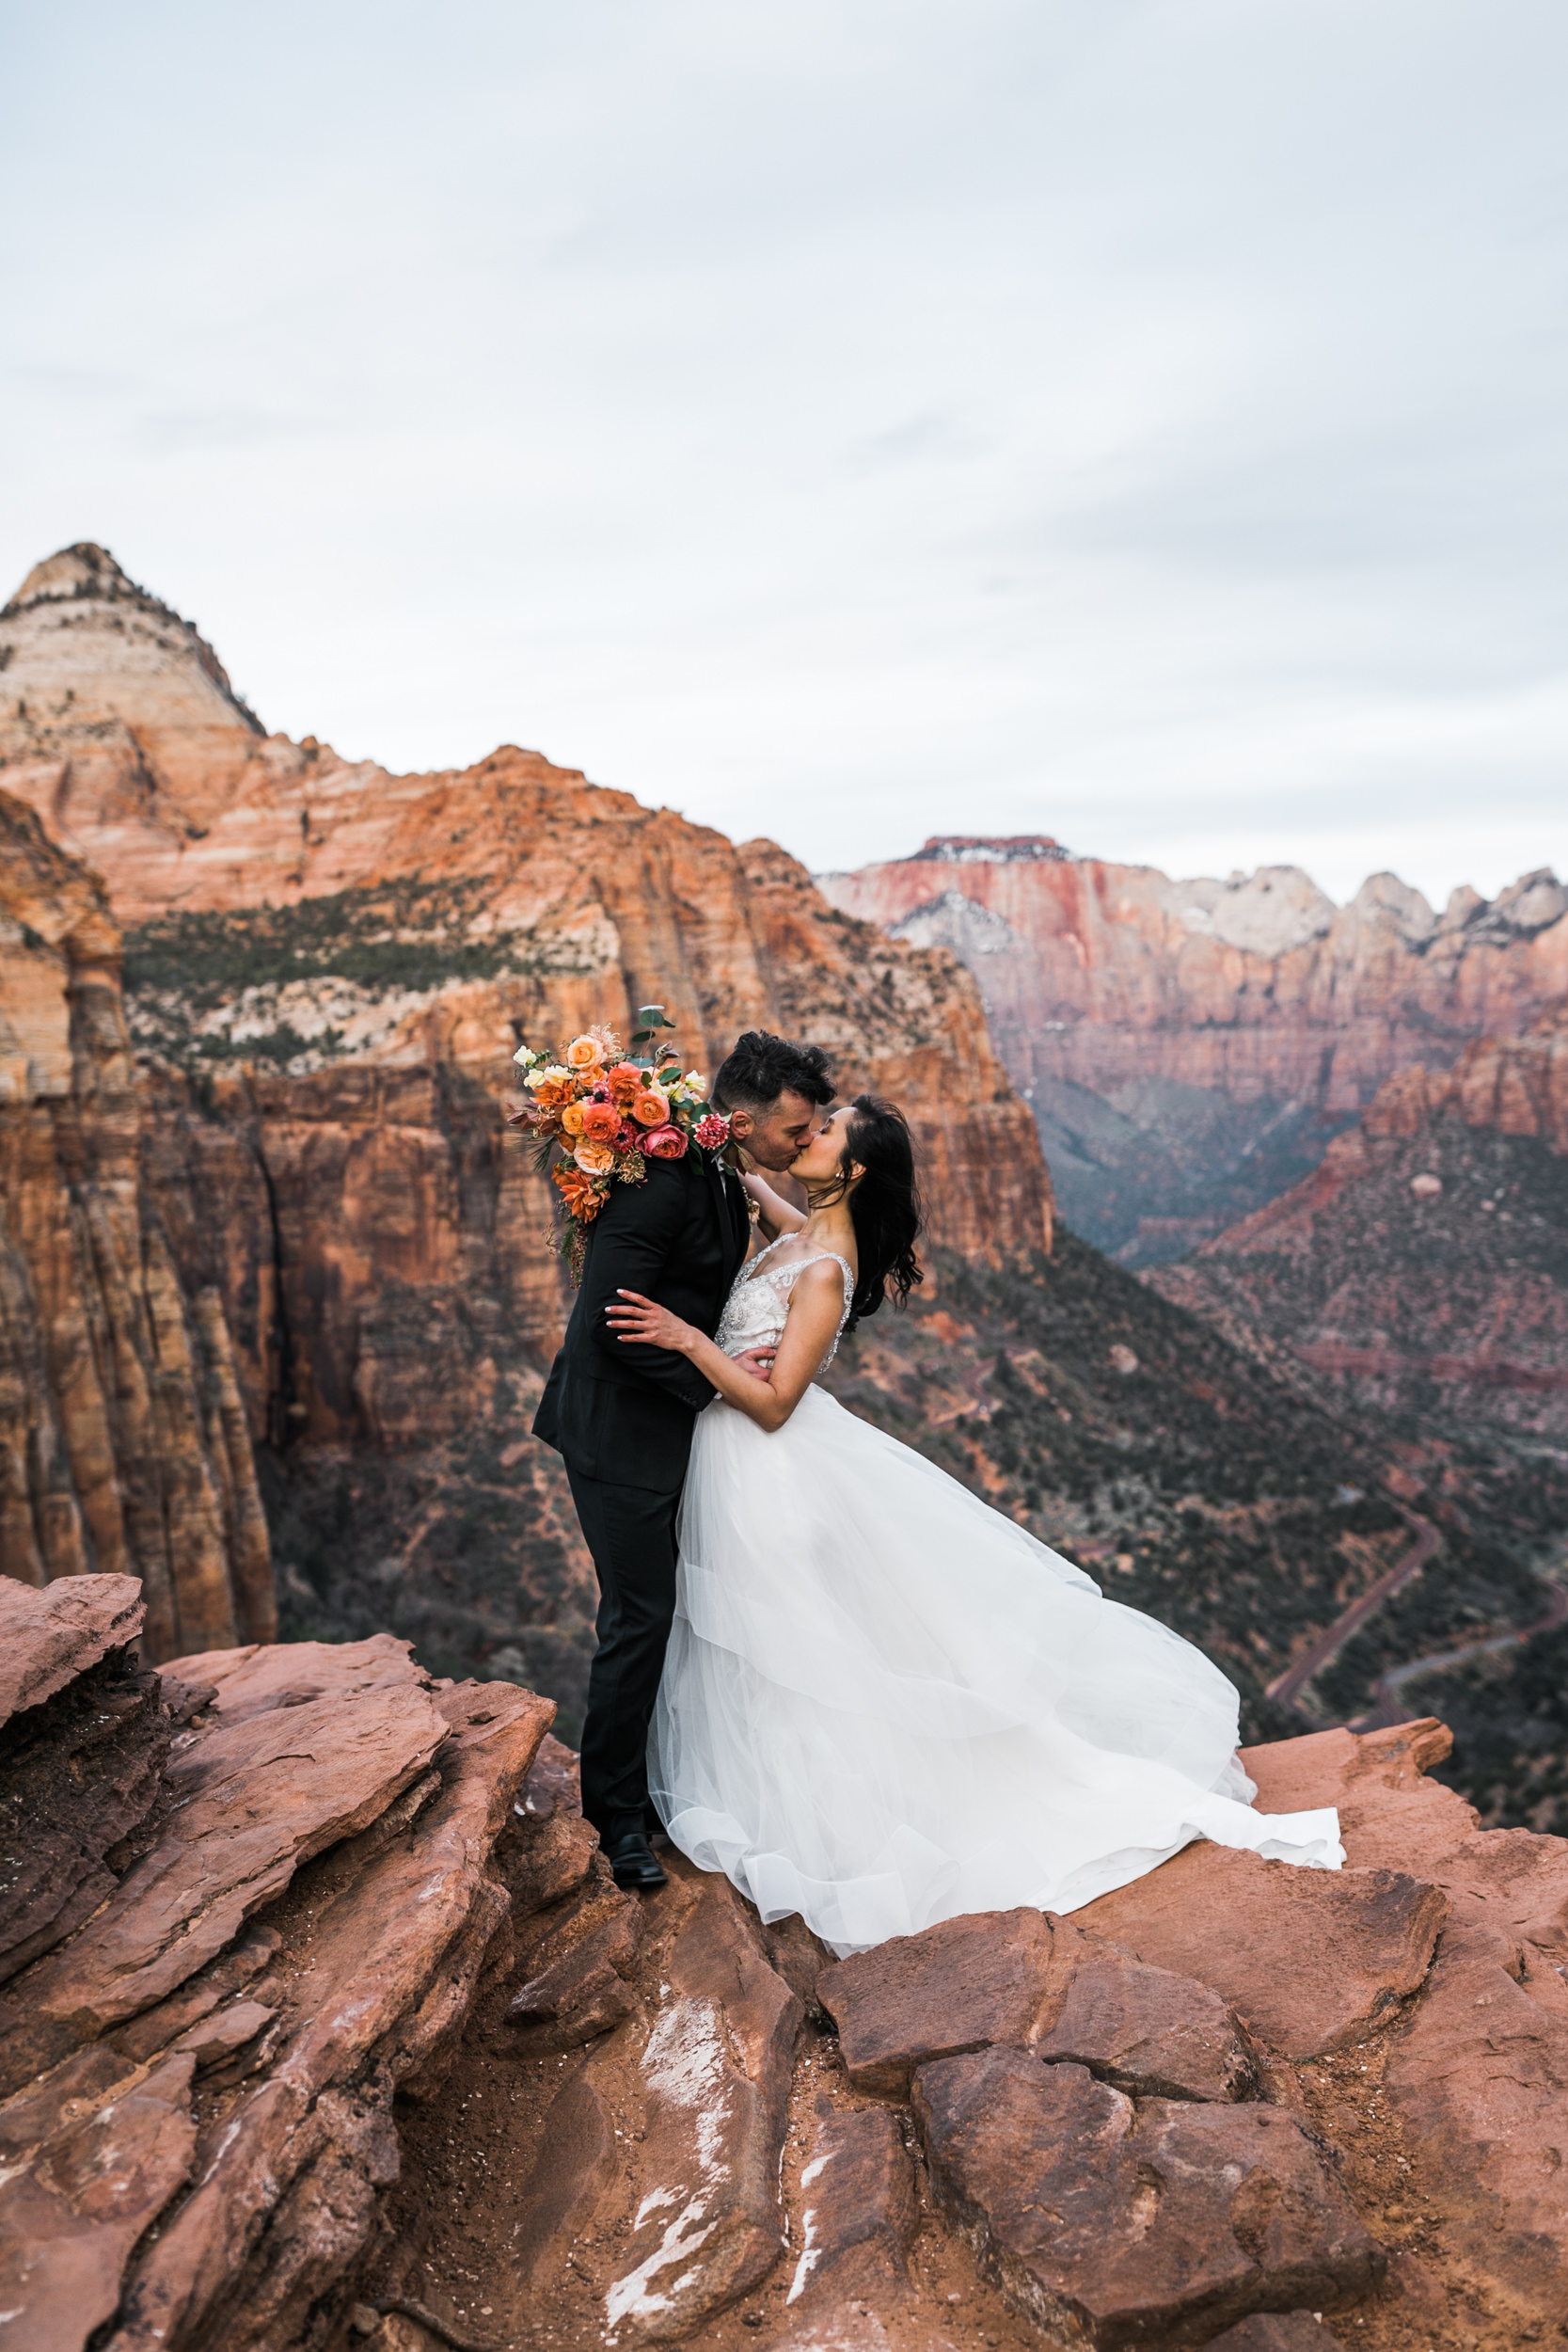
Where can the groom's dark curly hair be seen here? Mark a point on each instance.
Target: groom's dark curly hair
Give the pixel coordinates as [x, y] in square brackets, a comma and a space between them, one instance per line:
[761, 1068]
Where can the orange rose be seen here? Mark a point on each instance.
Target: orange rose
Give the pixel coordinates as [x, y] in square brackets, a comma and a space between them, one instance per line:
[572, 1118]
[599, 1121]
[650, 1107]
[584, 1053]
[594, 1159]
[625, 1081]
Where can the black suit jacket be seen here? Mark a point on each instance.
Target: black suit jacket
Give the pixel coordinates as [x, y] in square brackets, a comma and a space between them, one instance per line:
[625, 1413]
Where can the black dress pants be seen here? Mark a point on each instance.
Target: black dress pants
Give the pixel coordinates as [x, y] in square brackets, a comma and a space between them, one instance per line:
[631, 1536]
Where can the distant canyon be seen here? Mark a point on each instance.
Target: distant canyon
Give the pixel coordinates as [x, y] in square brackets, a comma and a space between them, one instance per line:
[1189, 1048]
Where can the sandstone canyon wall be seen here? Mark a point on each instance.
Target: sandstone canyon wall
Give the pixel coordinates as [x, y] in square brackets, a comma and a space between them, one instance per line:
[327, 970]
[1189, 1047]
[123, 1437]
[1422, 1268]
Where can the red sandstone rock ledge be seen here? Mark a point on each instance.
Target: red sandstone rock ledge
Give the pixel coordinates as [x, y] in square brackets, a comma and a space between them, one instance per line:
[312, 2040]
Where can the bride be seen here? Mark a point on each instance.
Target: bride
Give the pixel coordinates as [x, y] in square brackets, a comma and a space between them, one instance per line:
[883, 1703]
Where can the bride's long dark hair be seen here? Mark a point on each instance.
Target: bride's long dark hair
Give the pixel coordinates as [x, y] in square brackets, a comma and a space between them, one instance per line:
[884, 1207]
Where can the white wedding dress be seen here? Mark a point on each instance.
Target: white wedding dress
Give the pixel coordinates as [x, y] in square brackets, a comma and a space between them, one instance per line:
[884, 1704]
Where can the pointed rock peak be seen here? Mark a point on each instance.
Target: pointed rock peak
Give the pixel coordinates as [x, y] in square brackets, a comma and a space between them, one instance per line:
[1532, 902]
[1269, 913]
[83, 570]
[1384, 896]
[81, 641]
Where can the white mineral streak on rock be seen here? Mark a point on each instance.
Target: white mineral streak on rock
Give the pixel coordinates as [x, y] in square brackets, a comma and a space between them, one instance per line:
[629, 2297]
[683, 2064]
[651, 2204]
[810, 2252]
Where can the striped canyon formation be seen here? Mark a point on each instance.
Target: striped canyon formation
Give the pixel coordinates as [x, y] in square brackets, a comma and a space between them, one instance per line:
[1189, 1048]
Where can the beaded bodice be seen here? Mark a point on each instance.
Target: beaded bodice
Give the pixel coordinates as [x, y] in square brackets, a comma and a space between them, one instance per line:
[758, 1302]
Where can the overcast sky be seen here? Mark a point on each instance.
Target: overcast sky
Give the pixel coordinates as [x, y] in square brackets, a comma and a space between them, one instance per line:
[845, 420]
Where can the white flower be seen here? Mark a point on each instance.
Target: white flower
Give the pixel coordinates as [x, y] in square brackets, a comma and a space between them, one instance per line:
[524, 1054]
[549, 1070]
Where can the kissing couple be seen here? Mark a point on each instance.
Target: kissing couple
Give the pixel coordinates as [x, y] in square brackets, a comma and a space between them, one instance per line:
[824, 1666]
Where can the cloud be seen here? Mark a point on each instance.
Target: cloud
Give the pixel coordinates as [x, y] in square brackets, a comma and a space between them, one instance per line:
[847, 422]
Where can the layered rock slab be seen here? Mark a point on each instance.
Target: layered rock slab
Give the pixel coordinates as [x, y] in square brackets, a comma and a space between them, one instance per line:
[360, 1804]
[1276, 2331]
[87, 2166]
[1113, 2223]
[1309, 1959]
[1147, 2031]
[576, 1984]
[1479, 2073]
[715, 2078]
[54, 1634]
[858, 2212]
[1028, 1980]
[989, 1977]
[81, 1773]
[379, 1983]
[252, 1801]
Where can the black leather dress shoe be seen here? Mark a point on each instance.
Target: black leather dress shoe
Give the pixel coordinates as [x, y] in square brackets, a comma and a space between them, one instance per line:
[631, 1862]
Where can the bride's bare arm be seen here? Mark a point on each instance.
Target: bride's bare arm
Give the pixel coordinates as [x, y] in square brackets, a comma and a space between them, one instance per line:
[816, 1305]
[776, 1214]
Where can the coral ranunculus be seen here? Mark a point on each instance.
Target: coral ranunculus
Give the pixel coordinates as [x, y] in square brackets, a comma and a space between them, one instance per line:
[664, 1143]
[650, 1108]
[598, 1121]
[571, 1118]
[594, 1159]
[625, 1081]
[584, 1053]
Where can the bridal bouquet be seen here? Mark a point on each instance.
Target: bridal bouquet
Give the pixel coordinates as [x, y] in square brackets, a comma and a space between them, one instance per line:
[607, 1115]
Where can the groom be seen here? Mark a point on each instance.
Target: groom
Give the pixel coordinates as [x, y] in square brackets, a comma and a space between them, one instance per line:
[621, 1414]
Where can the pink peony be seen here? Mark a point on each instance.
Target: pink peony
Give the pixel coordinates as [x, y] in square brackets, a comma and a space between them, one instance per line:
[664, 1143]
[712, 1132]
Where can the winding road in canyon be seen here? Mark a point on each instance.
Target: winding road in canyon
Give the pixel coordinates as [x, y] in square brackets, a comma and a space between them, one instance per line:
[1287, 1688]
[1387, 1708]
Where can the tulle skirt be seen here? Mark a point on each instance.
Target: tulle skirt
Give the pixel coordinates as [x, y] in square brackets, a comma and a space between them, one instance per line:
[884, 1704]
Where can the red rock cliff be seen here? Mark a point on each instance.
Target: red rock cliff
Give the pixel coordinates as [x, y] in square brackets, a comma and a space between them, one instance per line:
[123, 1444]
[1117, 981]
[329, 969]
[1420, 1265]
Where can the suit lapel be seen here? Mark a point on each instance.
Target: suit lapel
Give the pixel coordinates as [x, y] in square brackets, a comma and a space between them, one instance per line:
[725, 1197]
